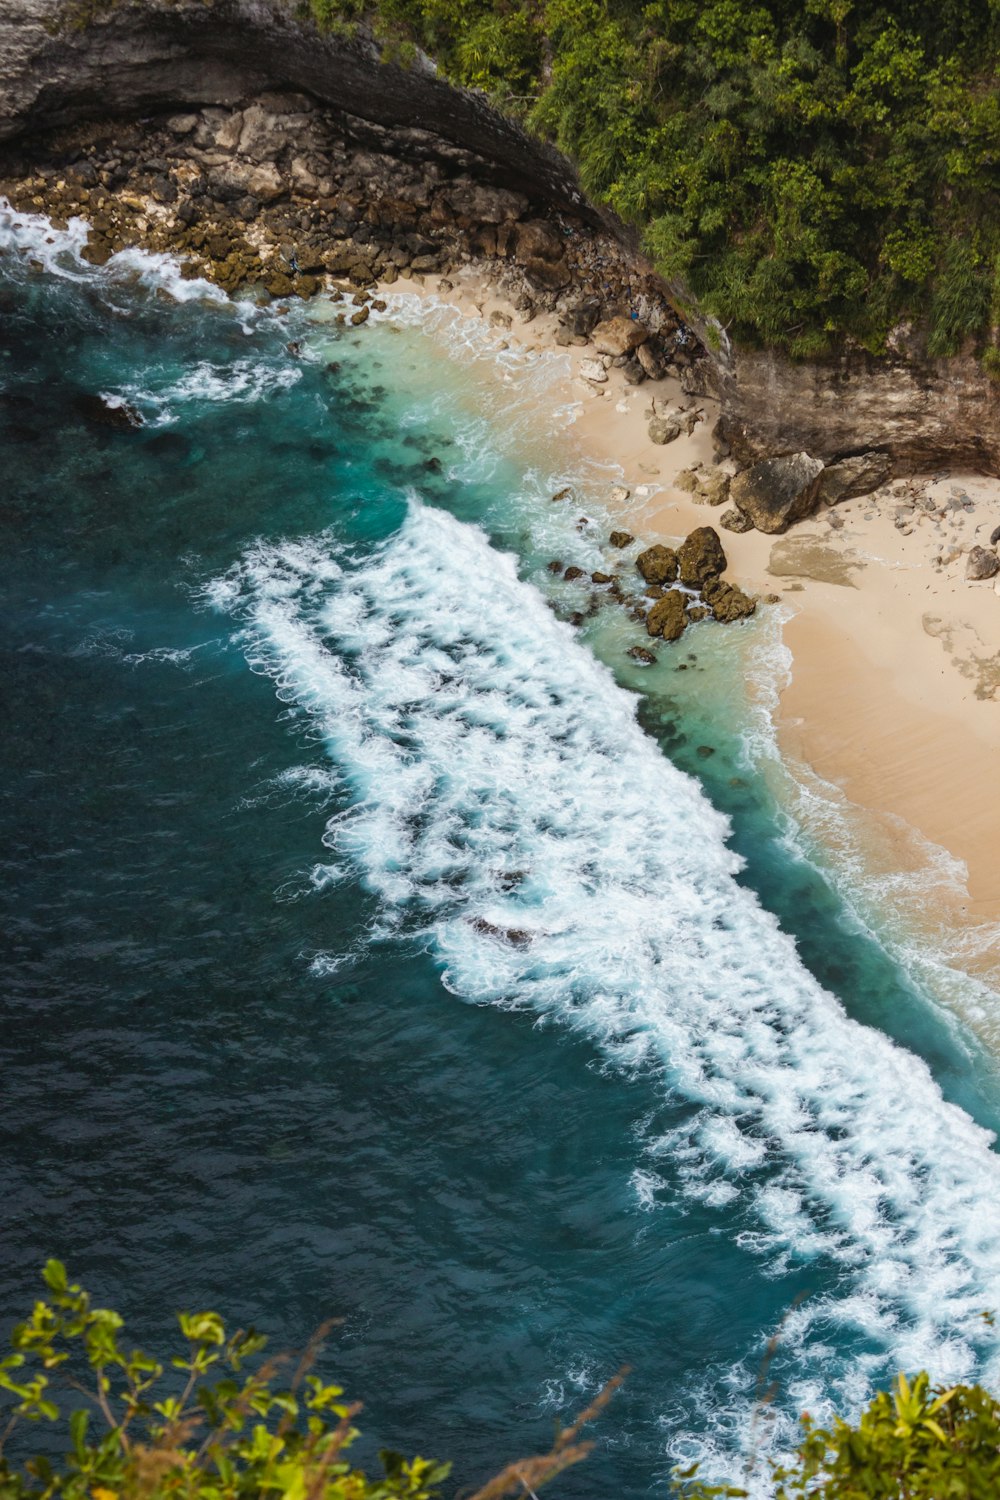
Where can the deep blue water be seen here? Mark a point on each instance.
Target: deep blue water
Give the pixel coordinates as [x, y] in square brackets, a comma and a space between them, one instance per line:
[289, 745]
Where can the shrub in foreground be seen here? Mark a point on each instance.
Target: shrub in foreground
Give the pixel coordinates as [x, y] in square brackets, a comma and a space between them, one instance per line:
[213, 1423]
[917, 1443]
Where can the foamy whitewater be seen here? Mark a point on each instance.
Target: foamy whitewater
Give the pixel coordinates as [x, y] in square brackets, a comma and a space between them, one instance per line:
[507, 805]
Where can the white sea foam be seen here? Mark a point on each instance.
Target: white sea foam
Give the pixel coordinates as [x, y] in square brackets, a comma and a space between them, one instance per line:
[507, 805]
[241, 380]
[114, 643]
[33, 238]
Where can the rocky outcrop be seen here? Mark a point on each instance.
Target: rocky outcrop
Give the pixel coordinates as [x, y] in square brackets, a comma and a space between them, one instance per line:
[668, 616]
[325, 210]
[119, 416]
[774, 493]
[698, 592]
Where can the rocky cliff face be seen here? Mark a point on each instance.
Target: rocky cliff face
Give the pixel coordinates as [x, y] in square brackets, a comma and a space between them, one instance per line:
[62, 61]
[66, 61]
[924, 413]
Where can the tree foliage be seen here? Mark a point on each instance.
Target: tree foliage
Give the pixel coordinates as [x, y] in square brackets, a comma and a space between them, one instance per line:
[814, 169]
[212, 1423]
[215, 1429]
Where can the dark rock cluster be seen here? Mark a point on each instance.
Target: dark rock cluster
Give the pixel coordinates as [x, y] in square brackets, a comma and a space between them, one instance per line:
[699, 591]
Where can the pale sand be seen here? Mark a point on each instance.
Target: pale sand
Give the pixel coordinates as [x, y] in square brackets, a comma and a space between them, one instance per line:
[894, 695]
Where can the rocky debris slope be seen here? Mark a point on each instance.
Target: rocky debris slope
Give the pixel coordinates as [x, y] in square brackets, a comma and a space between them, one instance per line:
[281, 193]
[72, 61]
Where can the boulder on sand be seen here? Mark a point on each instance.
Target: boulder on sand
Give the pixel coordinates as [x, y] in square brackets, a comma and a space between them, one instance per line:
[712, 488]
[734, 520]
[701, 557]
[982, 563]
[778, 491]
[857, 475]
[664, 430]
[658, 564]
[619, 336]
[593, 370]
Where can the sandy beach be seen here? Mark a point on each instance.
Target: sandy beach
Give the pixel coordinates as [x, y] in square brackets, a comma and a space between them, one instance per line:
[893, 698]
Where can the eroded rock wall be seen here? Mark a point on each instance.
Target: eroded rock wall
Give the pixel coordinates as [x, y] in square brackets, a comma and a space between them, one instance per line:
[926, 414]
[62, 61]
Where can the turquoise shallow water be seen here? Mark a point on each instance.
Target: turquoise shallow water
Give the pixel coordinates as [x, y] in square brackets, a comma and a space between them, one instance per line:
[293, 741]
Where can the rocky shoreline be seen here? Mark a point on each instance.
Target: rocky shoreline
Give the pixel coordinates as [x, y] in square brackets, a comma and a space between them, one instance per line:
[441, 154]
[276, 201]
[283, 198]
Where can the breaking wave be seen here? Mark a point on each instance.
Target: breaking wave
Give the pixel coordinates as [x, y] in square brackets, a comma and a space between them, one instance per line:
[506, 809]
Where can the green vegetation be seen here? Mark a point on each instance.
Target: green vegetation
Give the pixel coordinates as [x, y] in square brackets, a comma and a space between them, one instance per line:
[212, 1424]
[916, 1444]
[814, 170]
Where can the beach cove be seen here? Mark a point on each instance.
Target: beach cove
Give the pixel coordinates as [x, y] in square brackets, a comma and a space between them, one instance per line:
[402, 927]
[892, 707]
[297, 885]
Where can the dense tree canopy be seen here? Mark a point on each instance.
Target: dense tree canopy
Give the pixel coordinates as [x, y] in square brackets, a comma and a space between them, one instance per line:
[813, 169]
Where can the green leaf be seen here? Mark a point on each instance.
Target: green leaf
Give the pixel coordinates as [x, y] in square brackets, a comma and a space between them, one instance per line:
[78, 1432]
[54, 1276]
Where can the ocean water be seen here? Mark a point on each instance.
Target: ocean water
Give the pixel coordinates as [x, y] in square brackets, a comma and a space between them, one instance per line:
[380, 946]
